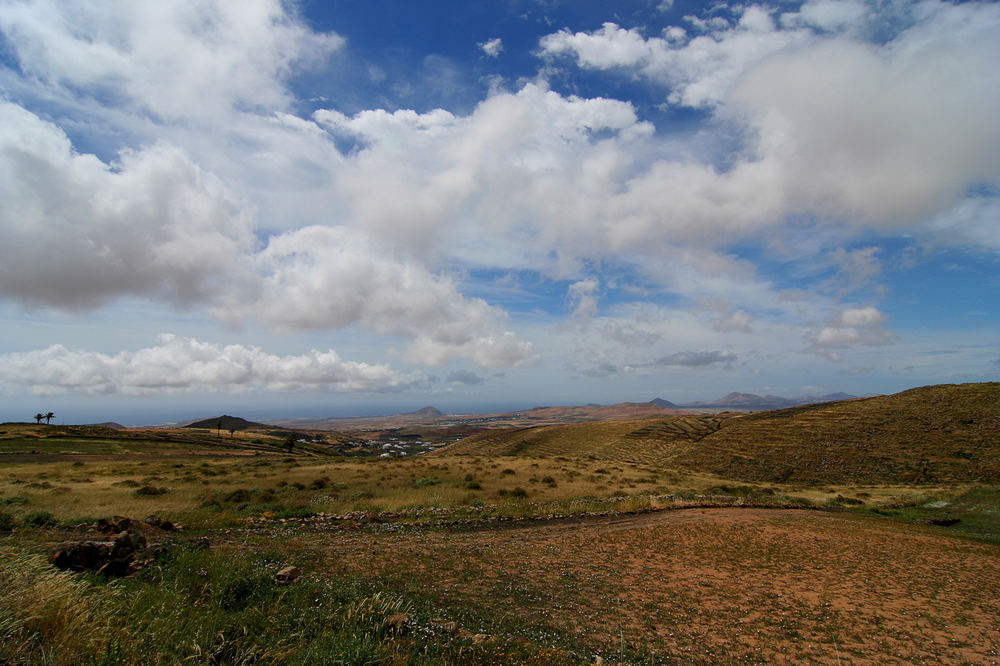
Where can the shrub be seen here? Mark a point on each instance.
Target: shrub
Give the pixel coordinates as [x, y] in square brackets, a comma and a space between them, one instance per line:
[425, 481]
[149, 491]
[40, 519]
[6, 522]
[238, 496]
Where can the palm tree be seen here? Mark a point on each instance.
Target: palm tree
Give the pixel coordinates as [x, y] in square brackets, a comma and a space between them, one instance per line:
[38, 417]
[48, 417]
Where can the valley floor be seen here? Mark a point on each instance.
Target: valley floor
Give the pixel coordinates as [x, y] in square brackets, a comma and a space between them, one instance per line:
[731, 585]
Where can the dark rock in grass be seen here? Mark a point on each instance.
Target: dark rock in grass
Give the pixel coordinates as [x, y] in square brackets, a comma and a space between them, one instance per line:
[115, 525]
[944, 522]
[161, 523]
[111, 558]
[287, 575]
[82, 556]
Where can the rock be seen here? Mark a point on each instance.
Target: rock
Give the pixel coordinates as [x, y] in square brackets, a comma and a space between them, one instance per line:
[115, 525]
[287, 575]
[111, 558]
[82, 556]
[944, 522]
[161, 523]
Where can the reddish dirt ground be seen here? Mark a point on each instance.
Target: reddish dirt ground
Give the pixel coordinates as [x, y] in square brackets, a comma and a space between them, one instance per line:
[708, 585]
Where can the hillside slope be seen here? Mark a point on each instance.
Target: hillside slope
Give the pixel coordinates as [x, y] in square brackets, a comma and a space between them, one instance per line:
[648, 441]
[926, 435]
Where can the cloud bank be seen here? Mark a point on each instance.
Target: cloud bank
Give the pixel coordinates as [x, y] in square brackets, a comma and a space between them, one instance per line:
[181, 365]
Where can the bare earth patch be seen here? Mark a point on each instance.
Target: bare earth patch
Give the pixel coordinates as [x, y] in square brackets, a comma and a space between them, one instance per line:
[707, 585]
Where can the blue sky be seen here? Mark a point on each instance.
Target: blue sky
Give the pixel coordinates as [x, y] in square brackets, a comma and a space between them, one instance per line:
[327, 208]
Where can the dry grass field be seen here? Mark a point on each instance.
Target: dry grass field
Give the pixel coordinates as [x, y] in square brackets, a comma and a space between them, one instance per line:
[861, 532]
[928, 435]
[733, 585]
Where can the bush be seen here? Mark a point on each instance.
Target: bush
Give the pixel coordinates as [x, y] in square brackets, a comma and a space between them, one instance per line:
[238, 496]
[516, 492]
[425, 481]
[40, 519]
[6, 522]
[149, 491]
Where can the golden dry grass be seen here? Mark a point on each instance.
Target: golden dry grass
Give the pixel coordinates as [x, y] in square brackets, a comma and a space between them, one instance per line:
[930, 435]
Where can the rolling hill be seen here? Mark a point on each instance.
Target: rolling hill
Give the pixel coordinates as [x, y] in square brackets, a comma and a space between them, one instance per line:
[227, 423]
[933, 434]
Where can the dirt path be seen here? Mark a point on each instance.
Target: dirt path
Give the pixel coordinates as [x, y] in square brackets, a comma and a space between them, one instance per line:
[730, 585]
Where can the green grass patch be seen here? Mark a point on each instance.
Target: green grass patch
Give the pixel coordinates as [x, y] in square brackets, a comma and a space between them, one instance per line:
[974, 513]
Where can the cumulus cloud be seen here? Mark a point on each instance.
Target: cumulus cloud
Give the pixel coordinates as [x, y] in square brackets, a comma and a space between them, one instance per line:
[180, 365]
[174, 60]
[525, 170]
[583, 298]
[698, 71]
[850, 327]
[331, 277]
[79, 233]
[835, 126]
[492, 47]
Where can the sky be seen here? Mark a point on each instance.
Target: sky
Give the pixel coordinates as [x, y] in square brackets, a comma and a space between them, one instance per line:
[288, 209]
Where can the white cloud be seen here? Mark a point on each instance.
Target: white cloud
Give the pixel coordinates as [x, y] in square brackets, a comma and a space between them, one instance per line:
[850, 327]
[78, 233]
[583, 298]
[332, 277]
[737, 321]
[832, 126]
[180, 365]
[492, 47]
[173, 60]
[699, 71]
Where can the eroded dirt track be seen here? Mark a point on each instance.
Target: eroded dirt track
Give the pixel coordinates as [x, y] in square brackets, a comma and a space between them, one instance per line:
[724, 585]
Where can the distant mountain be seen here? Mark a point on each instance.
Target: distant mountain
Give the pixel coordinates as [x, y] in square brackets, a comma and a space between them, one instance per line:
[660, 402]
[428, 412]
[226, 422]
[107, 424]
[754, 402]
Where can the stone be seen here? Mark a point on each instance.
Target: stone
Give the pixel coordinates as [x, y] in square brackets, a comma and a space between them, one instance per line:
[161, 523]
[287, 575]
[111, 558]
